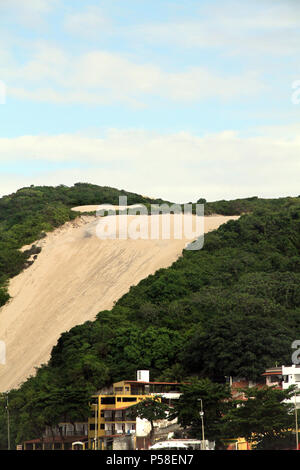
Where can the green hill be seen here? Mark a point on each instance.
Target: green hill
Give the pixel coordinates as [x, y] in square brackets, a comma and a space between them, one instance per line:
[231, 308]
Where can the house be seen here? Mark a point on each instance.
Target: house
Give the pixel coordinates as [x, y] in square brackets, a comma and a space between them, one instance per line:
[65, 436]
[284, 377]
[112, 427]
[273, 377]
[237, 384]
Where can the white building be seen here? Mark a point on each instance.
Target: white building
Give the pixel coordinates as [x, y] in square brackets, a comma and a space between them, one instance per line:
[291, 376]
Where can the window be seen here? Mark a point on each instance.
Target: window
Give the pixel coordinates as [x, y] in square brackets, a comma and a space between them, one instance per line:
[108, 400]
[275, 378]
[102, 426]
[92, 426]
[126, 399]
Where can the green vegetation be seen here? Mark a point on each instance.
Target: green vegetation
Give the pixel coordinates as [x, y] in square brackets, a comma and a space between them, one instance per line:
[215, 405]
[151, 409]
[264, 418]
[230, 309]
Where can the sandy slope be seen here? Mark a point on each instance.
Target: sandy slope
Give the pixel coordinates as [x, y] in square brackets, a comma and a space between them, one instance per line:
[75, 276]
[102, 206]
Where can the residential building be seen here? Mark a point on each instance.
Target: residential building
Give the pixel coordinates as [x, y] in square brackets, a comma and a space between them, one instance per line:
[291, 376]
[273, 377]
[111, 412]
[284, 377]
[65, 436]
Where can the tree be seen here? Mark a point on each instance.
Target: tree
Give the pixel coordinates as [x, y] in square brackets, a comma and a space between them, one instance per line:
[151, 409]
[216, 401]
[263, 418]
[45, 402]
[239, 343]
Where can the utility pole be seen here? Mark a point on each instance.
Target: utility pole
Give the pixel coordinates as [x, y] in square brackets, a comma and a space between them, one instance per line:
[201, 413]
[8, 423]
[296, 422]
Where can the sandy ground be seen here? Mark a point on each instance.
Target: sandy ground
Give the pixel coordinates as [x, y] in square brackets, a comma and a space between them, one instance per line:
[75, 276]
[102, 206]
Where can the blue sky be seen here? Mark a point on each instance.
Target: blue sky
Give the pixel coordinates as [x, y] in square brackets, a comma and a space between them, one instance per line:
[167, 98]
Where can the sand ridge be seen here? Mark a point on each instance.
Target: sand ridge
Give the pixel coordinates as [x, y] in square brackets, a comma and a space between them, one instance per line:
[75, 276]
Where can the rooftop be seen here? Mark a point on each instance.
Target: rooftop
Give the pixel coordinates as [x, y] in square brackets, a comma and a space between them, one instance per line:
[150, 383]
[273, 371]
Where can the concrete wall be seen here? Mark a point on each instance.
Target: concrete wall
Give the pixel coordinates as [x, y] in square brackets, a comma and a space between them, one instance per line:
[123, 443]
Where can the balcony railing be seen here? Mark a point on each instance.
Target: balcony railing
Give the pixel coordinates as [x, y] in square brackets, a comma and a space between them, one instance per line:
[109, 432]
[141, 391]
[82, 432]
[119, 419]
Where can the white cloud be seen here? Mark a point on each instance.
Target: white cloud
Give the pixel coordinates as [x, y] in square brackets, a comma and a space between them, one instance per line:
[28, 12]
[50, 74]
[179, 167]
[233, 27]
[89, 23]
[41, 6]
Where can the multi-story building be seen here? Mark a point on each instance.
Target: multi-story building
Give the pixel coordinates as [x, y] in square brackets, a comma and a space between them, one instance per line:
[284, 377]
[291, 376]
[111, 415]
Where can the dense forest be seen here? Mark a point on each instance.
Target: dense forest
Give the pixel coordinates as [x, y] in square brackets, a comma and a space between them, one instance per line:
[230, 309]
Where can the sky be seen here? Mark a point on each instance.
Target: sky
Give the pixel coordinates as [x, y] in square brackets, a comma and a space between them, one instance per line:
[171, 99]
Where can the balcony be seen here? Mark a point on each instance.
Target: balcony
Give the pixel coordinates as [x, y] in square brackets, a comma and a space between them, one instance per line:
[66, 433]
[118, 419]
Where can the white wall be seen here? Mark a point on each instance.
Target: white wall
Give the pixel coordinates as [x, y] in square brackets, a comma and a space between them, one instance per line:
[143, 427]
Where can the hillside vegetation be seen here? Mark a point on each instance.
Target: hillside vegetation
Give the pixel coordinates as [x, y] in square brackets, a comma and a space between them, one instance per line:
[231, 308]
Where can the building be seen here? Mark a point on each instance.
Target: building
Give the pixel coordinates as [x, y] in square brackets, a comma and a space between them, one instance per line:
[239, 444]
[65, 436]
[291, 376]
[111, 426]
[237, 384]
[284, 377]
[273, 377]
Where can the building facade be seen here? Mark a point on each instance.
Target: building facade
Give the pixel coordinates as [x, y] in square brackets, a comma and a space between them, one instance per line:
[291, 376]
[65, 436]
[111, 417]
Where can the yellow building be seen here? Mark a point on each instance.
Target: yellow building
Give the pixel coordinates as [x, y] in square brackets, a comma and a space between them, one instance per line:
[110, 418]
[239, 444]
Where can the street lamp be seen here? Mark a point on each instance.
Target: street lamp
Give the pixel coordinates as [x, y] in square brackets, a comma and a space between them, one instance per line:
[201, 413]
[296, 421]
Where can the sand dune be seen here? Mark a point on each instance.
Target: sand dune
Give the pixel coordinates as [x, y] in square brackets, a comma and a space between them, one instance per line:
[75, 276]
[102, 206]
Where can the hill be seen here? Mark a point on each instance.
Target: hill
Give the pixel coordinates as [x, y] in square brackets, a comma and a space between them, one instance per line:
[231, 308]
[75, 276]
